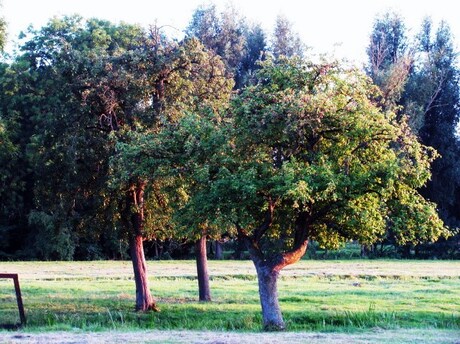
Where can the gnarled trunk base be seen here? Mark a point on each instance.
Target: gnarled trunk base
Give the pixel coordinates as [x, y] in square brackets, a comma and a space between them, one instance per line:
[268, 269]
[268, 292]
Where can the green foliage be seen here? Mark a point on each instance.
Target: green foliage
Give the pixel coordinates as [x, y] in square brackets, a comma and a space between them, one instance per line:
[13, 166]
[224, 34]
[434, 90]
[390, 59]
[309, 139]
[65, 150]
[53, 239]
[86, 88]
[2, 34]
[90, 109]
[421, 83]
[229, 35]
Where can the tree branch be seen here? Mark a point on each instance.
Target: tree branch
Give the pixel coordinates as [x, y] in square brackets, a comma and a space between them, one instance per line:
[254, 250]
[263, 228]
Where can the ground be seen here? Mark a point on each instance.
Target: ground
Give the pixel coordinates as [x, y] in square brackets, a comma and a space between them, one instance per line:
[374, 336]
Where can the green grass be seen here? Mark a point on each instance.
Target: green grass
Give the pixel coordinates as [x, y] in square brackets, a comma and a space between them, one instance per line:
[325, 296]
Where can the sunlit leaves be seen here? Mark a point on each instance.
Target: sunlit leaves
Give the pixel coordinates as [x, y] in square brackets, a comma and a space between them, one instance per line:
[310, 138]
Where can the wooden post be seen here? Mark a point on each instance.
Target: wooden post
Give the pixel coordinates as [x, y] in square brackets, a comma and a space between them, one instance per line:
[17, 289]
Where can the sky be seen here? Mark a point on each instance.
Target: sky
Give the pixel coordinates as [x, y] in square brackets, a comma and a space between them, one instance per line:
[338, 28]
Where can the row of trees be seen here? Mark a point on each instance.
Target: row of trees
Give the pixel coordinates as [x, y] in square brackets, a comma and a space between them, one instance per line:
[112, 135]
[28, 192]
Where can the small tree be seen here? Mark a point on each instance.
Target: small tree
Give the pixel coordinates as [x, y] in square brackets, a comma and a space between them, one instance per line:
[193, 81]
[311, 157]
[200, 161]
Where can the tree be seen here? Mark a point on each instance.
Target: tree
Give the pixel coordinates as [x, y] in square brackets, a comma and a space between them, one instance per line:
[71, 207]
[16, 186]
[3, 34]
[239, 44]
[189, 79]
[311, 157]
[255, 51]
[390, 60]
[11, 182]
[286, 42]
[99, 84]
[419, 81]
[432, 96]
[202, 130]
[177, 78]
[176, 159]
[223, 34]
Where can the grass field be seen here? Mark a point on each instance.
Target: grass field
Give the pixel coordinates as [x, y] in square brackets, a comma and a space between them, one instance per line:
[327, 296]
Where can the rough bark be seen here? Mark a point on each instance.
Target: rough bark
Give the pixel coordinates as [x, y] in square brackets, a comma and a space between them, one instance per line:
[268, 265]
[135, 204]
[204, 290]
[268, 292]
[144, 299]
[268, 269]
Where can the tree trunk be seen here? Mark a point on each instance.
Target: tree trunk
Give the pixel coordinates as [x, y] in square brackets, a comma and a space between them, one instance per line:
[268, 265]
[219, 250]
[144, 299]
[268, 292]
[268, 268]
[155, 243]
[135, 205]
[202, 269]
[239, 249]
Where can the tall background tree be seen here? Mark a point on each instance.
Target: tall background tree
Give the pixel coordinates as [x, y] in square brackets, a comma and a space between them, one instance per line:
[239, 43]
[433, 94]
[285, 41]
[418, 78]
[15, 200]
[2, 33]
[390, 58]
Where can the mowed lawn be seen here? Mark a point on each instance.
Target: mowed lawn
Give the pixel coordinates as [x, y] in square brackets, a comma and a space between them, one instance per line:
[340, 296]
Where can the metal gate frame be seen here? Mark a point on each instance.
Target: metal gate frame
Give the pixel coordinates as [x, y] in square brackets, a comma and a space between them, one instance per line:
[17, 289]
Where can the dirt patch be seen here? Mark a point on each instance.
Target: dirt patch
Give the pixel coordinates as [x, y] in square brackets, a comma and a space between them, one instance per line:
[376, 336]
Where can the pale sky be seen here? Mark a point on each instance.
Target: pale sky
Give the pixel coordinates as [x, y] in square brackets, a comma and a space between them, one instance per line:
[336, 27]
